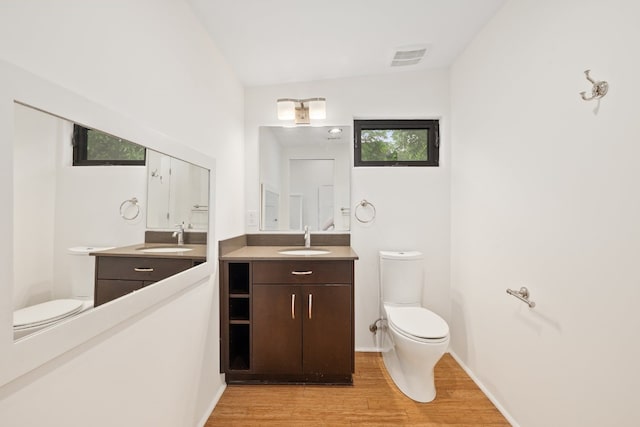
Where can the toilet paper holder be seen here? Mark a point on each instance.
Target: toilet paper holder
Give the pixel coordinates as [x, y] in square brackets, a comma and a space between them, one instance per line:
[522, 295]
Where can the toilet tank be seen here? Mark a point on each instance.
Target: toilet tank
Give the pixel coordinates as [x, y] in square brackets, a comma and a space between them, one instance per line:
[83, 271]
[401, 276]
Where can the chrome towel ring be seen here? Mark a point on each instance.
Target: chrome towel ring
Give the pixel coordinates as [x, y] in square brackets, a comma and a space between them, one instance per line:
[363, 205]
[132, 204]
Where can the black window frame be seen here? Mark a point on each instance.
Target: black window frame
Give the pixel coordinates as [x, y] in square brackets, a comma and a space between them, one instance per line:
[433, 140]
[79, 142]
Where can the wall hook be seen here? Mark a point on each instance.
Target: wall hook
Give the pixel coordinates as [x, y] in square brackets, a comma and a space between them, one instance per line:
[598, 90]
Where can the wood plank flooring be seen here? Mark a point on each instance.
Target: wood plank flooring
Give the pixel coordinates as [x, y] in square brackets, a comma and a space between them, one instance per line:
[373, 400]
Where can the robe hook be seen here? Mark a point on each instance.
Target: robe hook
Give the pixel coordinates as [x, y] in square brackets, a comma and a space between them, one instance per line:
[599, 89]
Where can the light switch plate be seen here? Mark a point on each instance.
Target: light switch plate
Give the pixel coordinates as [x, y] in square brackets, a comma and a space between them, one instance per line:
[252, 218]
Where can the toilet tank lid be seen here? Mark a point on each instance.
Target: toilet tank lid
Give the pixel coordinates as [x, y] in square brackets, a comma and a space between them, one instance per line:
[402, 255]
[85, 250]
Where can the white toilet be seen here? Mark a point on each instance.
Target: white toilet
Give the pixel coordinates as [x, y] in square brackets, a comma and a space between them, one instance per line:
[414, 338]
[31, 319]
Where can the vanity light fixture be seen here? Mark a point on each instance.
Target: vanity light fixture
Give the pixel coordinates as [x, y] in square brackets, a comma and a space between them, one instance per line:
[302, 110]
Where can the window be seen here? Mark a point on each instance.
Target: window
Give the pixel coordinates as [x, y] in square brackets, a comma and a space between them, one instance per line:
[94, 148]
[396, 142]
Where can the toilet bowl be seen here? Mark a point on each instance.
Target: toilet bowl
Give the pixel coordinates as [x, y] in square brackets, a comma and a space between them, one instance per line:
[36, 317]
[414, 338]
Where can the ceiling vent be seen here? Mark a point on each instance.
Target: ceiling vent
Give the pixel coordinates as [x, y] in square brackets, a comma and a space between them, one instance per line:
[408, 56]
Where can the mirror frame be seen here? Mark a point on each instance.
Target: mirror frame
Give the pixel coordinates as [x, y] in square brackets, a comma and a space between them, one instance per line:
[19, 357]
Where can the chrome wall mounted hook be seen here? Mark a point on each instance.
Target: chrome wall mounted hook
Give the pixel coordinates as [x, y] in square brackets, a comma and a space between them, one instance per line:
[599, 89]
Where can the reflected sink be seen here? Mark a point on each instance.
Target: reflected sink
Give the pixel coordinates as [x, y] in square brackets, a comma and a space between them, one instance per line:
[305, 251]
[164, 249]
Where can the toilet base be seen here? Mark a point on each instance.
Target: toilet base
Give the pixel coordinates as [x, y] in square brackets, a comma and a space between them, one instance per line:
[411, 363]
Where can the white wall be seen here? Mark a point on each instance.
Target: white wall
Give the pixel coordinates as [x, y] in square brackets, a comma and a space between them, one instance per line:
[34, 201]
[545, 195]
[412, 203]
[149, 60]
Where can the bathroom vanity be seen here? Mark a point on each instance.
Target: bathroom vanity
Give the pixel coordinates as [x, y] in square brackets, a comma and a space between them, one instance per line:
[123, 270]
[286, 317]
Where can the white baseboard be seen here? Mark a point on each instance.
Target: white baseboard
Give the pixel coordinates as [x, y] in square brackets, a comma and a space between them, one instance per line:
[212, 405]
[487, 393]
[368, 349]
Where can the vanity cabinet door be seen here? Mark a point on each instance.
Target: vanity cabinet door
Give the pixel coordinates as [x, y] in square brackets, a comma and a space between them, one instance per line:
[277, 329]
[302, 330]
[107, 289]
[327, 348]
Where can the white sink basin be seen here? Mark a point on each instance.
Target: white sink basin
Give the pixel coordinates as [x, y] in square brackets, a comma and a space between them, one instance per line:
[304, 252]
[164, 249]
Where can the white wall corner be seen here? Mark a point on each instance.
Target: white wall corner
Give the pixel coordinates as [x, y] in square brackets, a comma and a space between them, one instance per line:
[485, 390]
[212, 404]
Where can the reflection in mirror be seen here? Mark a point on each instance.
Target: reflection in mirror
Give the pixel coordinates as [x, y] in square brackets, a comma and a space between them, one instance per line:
[62, 213]
[304, 178]
[178, 193]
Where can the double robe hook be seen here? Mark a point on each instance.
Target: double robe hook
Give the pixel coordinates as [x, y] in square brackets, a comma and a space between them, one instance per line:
[598, 90]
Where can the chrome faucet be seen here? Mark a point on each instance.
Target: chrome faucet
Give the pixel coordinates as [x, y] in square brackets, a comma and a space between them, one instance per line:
[180, 233]
[307, 237]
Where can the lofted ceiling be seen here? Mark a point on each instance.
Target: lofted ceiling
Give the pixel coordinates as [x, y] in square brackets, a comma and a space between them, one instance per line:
[283, 41]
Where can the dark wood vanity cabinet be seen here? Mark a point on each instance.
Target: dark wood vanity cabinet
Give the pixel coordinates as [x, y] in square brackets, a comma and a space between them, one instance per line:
[117, 276]
[299, 324]
[302, 330]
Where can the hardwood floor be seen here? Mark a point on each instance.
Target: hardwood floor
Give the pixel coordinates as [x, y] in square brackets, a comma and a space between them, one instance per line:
[373, 400]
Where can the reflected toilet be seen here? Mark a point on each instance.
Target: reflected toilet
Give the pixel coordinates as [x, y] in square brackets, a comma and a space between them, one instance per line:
[36, 317]
[414, 338]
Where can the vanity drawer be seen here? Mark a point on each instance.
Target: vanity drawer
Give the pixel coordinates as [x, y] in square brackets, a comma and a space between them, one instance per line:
[302, 272]
[139, 268]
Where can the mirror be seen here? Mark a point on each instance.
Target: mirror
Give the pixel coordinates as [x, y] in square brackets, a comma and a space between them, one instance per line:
[59, 208]
[19, 357]
[305, 178]
[177, 193]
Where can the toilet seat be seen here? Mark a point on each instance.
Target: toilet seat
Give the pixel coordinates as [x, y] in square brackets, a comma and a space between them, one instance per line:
[417, 323]
[45, 313]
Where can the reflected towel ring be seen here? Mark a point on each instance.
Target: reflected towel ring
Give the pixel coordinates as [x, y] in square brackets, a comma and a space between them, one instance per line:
[133, 202]
[364, 204]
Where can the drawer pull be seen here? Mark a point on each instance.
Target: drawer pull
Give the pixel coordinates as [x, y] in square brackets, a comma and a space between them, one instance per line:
[310, 305]
[143, 269]
[302, 273]
[293, 306]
